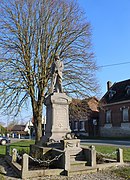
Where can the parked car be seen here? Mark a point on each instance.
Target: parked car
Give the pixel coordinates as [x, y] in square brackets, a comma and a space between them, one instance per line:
[4, 140]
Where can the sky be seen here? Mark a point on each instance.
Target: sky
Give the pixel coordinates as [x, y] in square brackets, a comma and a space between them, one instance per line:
[110, 23]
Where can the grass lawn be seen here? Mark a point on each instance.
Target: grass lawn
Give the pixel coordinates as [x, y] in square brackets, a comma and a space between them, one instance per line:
[23, 145]
[2, 150]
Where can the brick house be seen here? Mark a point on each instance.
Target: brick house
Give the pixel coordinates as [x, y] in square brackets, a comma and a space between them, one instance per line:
[114, 112]
[18, 129]
[84, 116]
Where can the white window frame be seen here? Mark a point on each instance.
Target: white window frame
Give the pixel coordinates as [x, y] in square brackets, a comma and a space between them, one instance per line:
[125, 113]
[75, 125]
[82, 125]
[128, 91]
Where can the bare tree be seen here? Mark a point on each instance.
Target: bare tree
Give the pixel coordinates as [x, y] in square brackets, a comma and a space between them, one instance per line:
[31, 33]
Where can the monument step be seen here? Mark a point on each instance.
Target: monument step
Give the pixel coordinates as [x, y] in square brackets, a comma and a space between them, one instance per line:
[54, 172]
[77, 157]
[78, 163]
[82, 170]
[75, 151]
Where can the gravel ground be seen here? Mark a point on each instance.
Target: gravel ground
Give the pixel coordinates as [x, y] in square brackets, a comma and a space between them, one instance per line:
[7, 173]
[92, 176]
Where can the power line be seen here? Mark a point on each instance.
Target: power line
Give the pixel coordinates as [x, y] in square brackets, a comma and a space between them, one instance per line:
[107, 65]
[117, 64]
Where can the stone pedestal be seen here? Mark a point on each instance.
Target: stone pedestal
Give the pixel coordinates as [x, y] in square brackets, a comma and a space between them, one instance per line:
[57, 117]
[71, 145]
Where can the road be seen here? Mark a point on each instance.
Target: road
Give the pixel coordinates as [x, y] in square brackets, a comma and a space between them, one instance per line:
[106, 142]
[16, 140]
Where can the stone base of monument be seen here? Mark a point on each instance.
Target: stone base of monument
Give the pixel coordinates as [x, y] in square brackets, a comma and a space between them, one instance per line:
[57, 117]
[72, 146]
[71, 160]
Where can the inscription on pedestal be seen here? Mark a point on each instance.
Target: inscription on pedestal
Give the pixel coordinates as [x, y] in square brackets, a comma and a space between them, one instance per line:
[61, 116]
[60, 101]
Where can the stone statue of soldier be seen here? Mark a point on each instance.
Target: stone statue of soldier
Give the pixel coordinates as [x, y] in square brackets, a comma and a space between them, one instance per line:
[56, 74]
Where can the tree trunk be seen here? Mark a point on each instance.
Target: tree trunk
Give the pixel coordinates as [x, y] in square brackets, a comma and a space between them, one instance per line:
[38, 128]
[37, 115]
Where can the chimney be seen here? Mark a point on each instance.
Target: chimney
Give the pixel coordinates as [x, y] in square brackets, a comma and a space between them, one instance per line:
[109, 84]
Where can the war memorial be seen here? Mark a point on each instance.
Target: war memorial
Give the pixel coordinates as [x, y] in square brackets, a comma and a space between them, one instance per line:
[59, 152]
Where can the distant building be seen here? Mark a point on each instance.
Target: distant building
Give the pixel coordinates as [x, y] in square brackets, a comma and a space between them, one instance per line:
[27, 129]
[84, 116]
[18, 129]
[115, 110]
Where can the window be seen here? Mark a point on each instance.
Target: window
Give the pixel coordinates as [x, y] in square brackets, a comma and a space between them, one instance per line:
[108, 116]
[75, 126]
[95, 122]
[125, 114]
[82, 125]
[111, 94]
[127, 90]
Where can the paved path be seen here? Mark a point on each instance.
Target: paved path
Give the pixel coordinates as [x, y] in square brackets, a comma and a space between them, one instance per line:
[106, 142]
[17, 139]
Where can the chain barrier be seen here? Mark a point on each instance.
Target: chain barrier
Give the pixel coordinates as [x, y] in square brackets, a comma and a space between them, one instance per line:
[19, 157]
[45, 162]
[107, 154]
